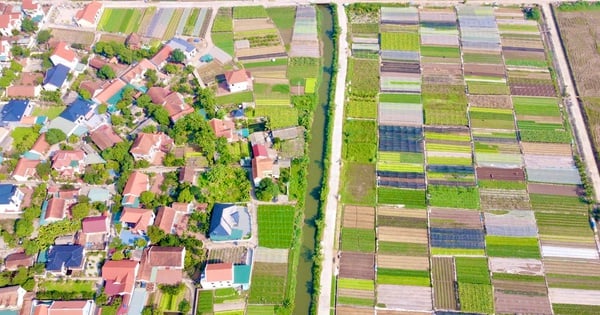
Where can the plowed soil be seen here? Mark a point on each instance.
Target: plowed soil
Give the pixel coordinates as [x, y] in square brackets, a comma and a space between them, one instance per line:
[562, 190]
[451, 218]
[521, 304]
[490, 101]
[390, 234]
[532, 90]
[357, 266]
[403, 262]
[359, 217]
[516, 265]
[500, 173]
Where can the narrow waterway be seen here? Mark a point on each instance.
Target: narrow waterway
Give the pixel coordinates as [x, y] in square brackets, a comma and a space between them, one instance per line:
[315, 168]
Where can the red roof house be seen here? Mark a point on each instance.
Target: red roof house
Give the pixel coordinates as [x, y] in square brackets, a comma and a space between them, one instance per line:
[173, 102]
[64, 55]
[109, 91]
[173, 219]
[238, 80]
[89, 15]
[55, 209]
[151, 147]
[162, 265]
[135, 75]
[119, 277]
[94, 232]
[25, 169]
[224, 128]
[217, 276]
[105, 137]
[41, 146]
[261, 168]
[137, 183]
[69, 162]
[16, 260]
[137, 219]
[161, 57]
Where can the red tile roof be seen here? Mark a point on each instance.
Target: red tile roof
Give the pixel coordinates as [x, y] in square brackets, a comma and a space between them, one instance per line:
[16, 260]
[64, 51]
[91, 86]
[223, 128]
[237, 76]
[25, 168]
[94, 225]
[138, 217]
[169, 218]
[260, 166]
[64, 158]
[167, 261]
[105, 137]
[187, 175]
[55, 209]
[67, 308]
[113, 88]
[27, 91]
[138, 70]
[29, 5]
[162, 55]
[41, 146]
[158, 94]
[30, 78]
[9, 296]
[145, 141]
[137, 183]
[97, 62]
[89, 12]
[259, 150]
[173, 102]
[119, 276]
[219, 272]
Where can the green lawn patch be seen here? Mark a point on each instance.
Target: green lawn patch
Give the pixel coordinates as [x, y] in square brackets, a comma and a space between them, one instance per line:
[275, 226]
[23, 138]
[279, 116]
[205, 301]
[268, 283]
[520, 247]
[559, 204]
[361, 108]
[300, 68]
[283, 17]
[518, 277]
[356, 284]
[169, 302]
[260, 64]
[410, 198]
[360, 141]
[440, 52]
[235, 98]
[355, 301]
[364, 28]
[250, 12]
[400, 98]
[310, 85]
[487, 88]
[223, 22]
[359, 184]
[572, 309]
[260, 310]
[358, 240]
[69, 286]
[502, 184]
[224, 40]
[120, 20]
[400, 41]
[453, 197]
[50, 112]
[403, 277]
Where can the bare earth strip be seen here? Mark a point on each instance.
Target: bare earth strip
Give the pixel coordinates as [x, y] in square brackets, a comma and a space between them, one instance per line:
[562, 190]
[516, 265]
[574, 296]
[231, 306]
[444, 288]
[359, 294]
[546, 149]
[359, 217]
[403, 262]
[348, 310]
[403, 297]
[389, 234]
[252, 24]
[521, 304]
[357, 266]
[245, 52]
[409, 213]
[535, 288]
[583, 267]
[451, 218]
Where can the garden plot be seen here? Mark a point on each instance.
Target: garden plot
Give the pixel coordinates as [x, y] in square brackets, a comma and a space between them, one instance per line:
[572, 267]
[513, 223]
[490, 101]
[505, 246]
[457, 238]
[558, 204]
[554, 149]
[454, 218]
[402, 262]
[357, 265]
[359, 186]
[444, 286]
[538, 129]
[271, 255]
[359, 217]
[491, 118]
[474, 286]
[262, 42]
[353, 310]
[123, 21]
[445, 104]
[402, 297]
[400, 82]
[410, 198]
[536, 106]
[574, 296]
[234, 255]
[358, 240]
[197, 22]
[521, 266]
[561, 190]
[453, 197]
[305, 42]
[397, 114]
[74, 36]
[159, 23]
[527, 302]
[569, 252]
[393, 15]
[401, 139]
[499, 154]
[275, 226]
[395, 276]
[402, 235]
[268, 283]
[565, 229]
[395, 55]
[503, 199]
[401, 217]
[442, 73]
[506, 174]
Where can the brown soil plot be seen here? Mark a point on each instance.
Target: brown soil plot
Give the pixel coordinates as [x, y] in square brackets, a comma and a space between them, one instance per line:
[402, 262]
[583, 267]
[357, 266]
[500, 173]
[546, 148]
[502, 199]
[348, 310]
[505, 303]
[402, 212]
[359, 217]
[532, 267]
[561, 190]
[490, 101]
[574, 296]
[402, 297]
[359, 294]
[451, 218]
[444, 288]
[390, 234]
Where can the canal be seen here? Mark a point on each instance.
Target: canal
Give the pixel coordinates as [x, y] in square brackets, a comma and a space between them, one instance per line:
[316, 154]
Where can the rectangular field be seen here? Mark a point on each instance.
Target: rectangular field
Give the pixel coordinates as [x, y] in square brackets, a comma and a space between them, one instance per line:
[276, 226]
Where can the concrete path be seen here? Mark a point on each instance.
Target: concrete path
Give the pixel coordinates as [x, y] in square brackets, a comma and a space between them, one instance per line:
[565, 80]
[327, 243]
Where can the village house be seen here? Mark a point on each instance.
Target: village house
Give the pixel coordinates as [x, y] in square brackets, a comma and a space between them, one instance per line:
[224, 128]
[16, 260]
[162, 265]
[55, 209]
[225, 275]
[25, 169]
[69, 162]
[105, 137]
[151, 147]
[10, 19]
[137, 183]
[109, 90]
[63, 259]
[27, 86]
[133, 41]
[92, 87]
[94, 232]
[137, 220]
[32, 8]
[11, 198]
[173, 102]
[55, 78]
[238, 80]
[229, 223]
[161, 57]
[16, 113]
[173, 219]
[188, 174]
[188, 49]
[5, 53]
[89, 15]
[64, 308]
[135, 75]
[64, 55]
[40, 148]
[11, 298]
[119, 277]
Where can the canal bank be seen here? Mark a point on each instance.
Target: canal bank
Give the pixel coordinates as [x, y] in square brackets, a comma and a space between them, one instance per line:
[316, 155]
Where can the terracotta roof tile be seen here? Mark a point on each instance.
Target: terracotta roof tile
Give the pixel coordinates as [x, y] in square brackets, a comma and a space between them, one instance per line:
[64, 51]
[25, 168]
[237, 76]
[105, 137]
[138, 217]
[89, 12]
[219, 272]
[137, 183]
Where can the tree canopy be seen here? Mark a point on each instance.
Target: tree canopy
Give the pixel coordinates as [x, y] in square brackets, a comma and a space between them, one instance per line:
[106, 73]
[177, 56]
[54, 136]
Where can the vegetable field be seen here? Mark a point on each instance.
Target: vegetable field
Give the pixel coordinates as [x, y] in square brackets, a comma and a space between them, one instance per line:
[276, 226]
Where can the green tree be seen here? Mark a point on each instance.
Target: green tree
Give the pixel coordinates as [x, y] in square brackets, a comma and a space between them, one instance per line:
[54, 136]
[140, 243]
[155, 234]
[43, 36]
[177, 56]
[151, 77]
[118, 255]
[106, 73]
[20, 276]
[266, 190]
[85, 94]
[43, 170]
[23, 228]
[102, 108]
[31, 213]
[184, 306]
[161, 115]
[28, 25]
[147, 198]
[80, 211]
[185, 195]
[171, 68]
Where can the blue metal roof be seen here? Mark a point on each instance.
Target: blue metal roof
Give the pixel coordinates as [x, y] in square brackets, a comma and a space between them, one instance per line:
[67, 256]
[229, 222]
[77, 109]
[56, 75]
[14, 110]
[6, 192]
[181, 44]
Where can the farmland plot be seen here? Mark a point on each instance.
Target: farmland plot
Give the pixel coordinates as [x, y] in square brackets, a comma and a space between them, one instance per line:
[276, 226]
[444, 288]
[513, 223]
[502, 199]
[454, 218]
[474, 287]
[522, 266]
[520, 247]
[359, 217]
[574, 296]
[405, 297]
[159, 23]
[357, 265]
